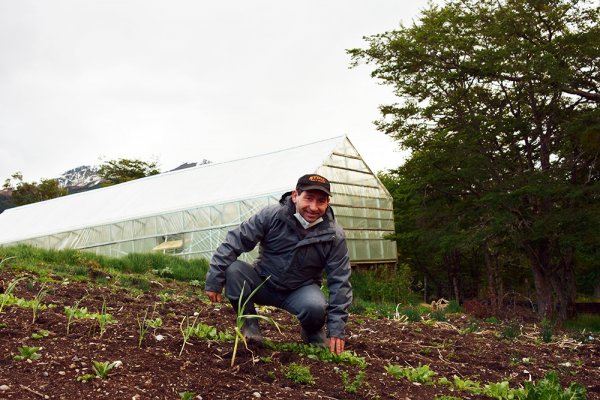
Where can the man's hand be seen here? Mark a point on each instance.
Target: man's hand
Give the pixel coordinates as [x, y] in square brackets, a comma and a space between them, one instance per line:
[214, 297]
[336, 345]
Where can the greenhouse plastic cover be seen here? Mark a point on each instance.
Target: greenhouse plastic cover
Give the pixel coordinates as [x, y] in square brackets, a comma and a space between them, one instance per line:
[171, 191]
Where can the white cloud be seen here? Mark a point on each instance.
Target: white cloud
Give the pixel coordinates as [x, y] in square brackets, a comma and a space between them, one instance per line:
[185, 80]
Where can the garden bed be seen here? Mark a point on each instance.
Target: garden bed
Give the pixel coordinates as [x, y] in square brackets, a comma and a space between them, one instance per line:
[468, 349]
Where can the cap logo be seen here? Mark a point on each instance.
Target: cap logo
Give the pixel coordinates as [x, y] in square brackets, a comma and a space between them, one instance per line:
[317, 178]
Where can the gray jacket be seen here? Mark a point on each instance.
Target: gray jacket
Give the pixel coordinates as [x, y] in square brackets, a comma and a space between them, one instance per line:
[290, 260]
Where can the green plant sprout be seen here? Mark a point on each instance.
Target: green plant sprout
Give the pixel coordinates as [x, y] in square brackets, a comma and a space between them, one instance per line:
[319, 353]
[299, 374]
[352, 385]
[546, 330]
[241, 318]
[187, 331]
[466, 385]
[102, 369]
[37, 304]
[28, 353]
[421, 374]
[8, 292]
[74, 312]
[40, 334]
[144, 323]
[187, 395]
[104, 318]
[208, 332]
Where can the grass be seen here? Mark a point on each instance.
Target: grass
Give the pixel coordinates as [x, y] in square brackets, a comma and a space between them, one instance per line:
[134, 270]
[377, 292]
[589, 322]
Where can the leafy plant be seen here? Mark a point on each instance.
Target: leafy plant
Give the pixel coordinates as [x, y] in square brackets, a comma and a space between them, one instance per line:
[421, 374]
[511, 331]
[28, 353]
[37, 301]
[208, 332]
[4, 297]
[102, 369]
[299, 374]
[438, 315]
[75, 312]
[319, 353]
[502, 390]
[352, 385]
[187, 395]
[466, 385]
[40, 334]
[411, 313]
[546, 330]
[241, 318]
[165, 296]
[550, 388]
[470, 328]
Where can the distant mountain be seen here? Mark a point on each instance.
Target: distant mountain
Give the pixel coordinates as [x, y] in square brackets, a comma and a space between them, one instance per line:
[80, 179]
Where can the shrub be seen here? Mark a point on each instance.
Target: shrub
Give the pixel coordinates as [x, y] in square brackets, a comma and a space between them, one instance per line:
[383, 284]
[511, 331]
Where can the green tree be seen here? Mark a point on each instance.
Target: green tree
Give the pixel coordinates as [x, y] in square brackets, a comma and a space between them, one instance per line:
[124, 170]
[498, 102]
[31, 192]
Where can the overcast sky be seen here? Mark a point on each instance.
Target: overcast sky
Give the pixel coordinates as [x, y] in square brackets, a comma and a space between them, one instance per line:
[83, 82]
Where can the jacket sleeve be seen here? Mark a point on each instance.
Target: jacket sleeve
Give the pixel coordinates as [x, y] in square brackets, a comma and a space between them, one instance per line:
[340, 290]
[237, 241]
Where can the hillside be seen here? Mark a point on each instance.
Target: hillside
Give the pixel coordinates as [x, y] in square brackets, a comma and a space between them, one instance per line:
[435, 357]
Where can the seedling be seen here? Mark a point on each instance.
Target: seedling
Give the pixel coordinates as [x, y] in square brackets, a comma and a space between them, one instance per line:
[511, 331]
[241, 318]
[546, 330]
[208, 332]
[40, 334]
[319, 353]
[37, 301]
[187, 331]
[352, 385]
[104, 318]
[299, 374]
[8, 292]
[421, 374]
[144, 324]
[102, 369]
[466, 385]
[74, 312]
[187, 395]
[28, 353]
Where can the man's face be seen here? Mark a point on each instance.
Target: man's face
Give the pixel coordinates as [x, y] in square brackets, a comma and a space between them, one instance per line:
[311, 204]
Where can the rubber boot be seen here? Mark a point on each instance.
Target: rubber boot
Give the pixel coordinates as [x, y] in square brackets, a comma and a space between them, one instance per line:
[317, 338]
[251, 330]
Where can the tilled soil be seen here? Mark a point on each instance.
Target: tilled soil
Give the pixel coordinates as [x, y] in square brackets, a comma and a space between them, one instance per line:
[156, 370]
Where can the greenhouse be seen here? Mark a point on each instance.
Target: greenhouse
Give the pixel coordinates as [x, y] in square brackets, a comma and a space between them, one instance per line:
[188, 212]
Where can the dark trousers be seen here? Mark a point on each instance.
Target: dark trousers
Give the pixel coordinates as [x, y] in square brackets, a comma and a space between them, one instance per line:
[307, 303]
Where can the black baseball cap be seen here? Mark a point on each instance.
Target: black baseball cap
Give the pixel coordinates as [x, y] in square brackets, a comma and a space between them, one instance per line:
[314, 182]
